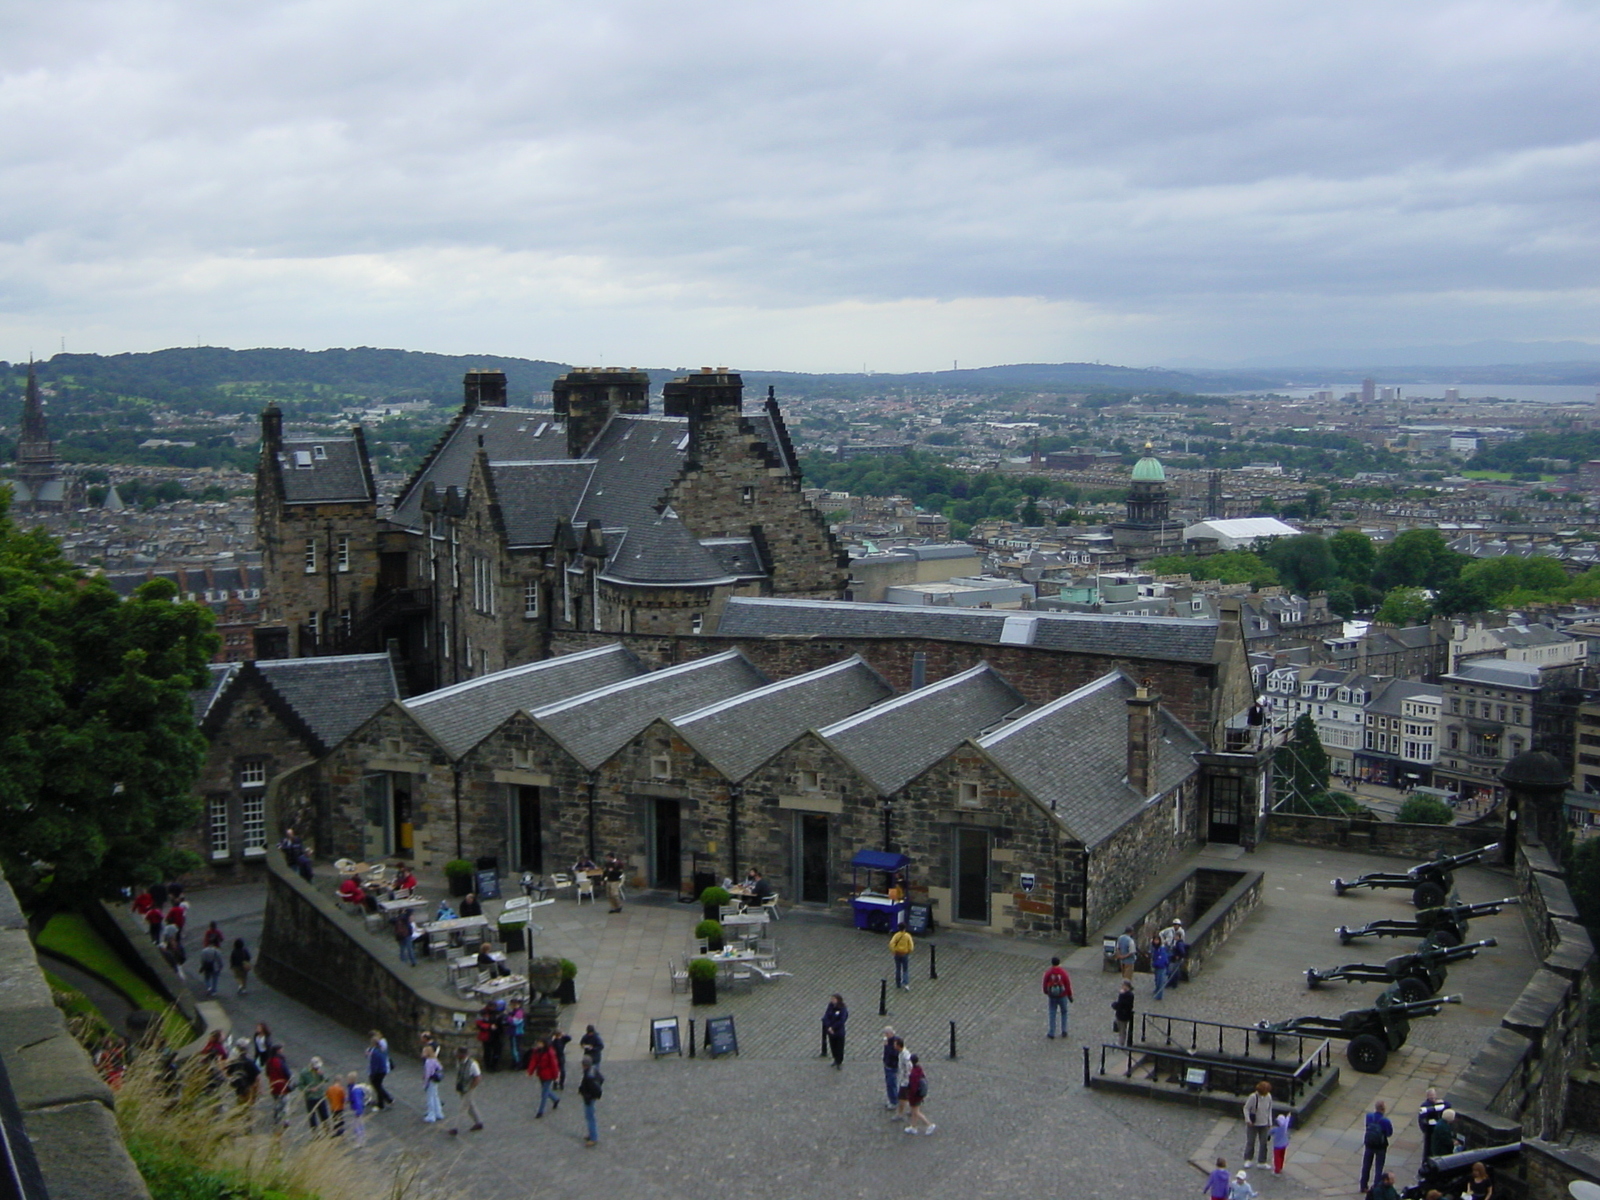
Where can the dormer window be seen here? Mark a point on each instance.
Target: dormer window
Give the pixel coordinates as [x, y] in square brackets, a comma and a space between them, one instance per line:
[319, 452]
[302, 460]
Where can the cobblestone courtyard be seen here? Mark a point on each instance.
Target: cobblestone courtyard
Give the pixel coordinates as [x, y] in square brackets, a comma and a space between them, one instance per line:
[1011, 1109]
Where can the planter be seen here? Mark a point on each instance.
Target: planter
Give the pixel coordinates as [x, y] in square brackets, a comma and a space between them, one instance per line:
[511, 937]
[703, 991]
[710, 912]
[460, 885]
[567, 993]
[544, 976]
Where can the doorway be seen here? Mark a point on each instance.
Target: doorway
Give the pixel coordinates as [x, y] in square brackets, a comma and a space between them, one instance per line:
[972, 875]
[527, 828]
[666, 846]
[1226, 816]
[377, 816]
[811, 854]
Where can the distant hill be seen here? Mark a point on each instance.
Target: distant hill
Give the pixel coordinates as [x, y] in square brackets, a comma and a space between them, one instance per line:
[1496, 361]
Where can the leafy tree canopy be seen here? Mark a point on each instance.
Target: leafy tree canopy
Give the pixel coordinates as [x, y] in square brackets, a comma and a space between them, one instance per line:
[1417, 558]
[1231, 566]
[1405, 606]
[1353, 555]
[1304, 562]
[98, 744]
[1300, 765]
[1425, 810]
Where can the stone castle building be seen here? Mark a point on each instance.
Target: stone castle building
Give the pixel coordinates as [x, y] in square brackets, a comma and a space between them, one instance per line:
[1147, 529]
[595, 515]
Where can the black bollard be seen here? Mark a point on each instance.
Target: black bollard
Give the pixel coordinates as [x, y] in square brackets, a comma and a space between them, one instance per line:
[1086, 1066]
[933, 961]
[883, 997]
[691, 1037]
[952, 1039]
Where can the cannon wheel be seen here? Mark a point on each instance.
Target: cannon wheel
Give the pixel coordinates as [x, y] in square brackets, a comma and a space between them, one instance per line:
[1428, 895]
[1448, 938]
[1412, 989]
[1367, 1053]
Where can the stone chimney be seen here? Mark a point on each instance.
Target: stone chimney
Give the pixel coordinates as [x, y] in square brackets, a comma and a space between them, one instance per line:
[484, 389]
[272, 428]
[1143, 712]
[585, 400]
[713, 400]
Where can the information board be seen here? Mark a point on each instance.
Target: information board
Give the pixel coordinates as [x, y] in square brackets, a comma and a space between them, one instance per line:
[488, 886]
[919, 919]
[664, 1037]
[721, 1037]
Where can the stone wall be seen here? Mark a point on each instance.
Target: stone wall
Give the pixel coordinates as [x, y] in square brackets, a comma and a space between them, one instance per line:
[1211, 901]
[1417, 842]
[1122, 865]
[66, 1107]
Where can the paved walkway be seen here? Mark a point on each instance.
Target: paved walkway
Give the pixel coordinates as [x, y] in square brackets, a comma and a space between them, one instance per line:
[1011, 1109]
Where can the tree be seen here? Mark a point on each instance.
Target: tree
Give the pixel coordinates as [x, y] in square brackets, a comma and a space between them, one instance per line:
[1462, 596]
[1498, 577]
[1417, 558]
[1405, 606]
[98, 743]
[1303, 562]
[1353, 555]
[1425, 810]
[1300, 765]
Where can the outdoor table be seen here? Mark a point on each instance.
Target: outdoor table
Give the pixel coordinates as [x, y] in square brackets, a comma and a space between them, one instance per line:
[743, 919]
[469, 963]
[500, 986]
[454, 926]
[393, 906]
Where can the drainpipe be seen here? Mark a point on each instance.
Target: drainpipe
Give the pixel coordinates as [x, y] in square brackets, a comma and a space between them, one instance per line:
[594, 784]
[888, 810]
[455, 771]
[734, 792]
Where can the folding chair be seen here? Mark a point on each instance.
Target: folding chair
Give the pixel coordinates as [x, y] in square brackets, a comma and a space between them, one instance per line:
[679, 977]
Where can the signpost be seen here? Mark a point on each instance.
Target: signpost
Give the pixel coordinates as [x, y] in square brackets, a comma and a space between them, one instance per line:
[488, 883]
[721, 1037]
[664, 1036]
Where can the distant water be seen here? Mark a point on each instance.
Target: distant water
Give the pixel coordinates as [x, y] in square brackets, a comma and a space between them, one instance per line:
[1531, 393]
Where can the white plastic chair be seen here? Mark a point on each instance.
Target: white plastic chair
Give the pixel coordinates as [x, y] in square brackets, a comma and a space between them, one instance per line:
[770, 904]
[585, 888]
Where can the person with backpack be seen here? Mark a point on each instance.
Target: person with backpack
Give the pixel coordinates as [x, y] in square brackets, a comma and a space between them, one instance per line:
[901, 945]
[1375, 1143]
[279, 1083]
[1258, 1124]
[1122, 1013]
[211, 967]
[1058, 991]
[891, 1067]
[918, 1094]
[590, 1089]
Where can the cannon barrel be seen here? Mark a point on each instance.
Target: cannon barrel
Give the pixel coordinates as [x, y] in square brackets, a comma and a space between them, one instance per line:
[1487, 909]
[1415, 1008]
[1435, 955]
[1435, 1170]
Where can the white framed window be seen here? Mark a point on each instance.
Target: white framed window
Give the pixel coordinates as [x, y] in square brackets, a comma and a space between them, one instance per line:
[969, 794]
[660, 766]
[217, 821]
[253, 774]
[253, 823]
[748, 494]
[697, 623]
[311, 556]
[342, 553]
[444, 638]
[319, 452]
[810, 781]
[530, 599]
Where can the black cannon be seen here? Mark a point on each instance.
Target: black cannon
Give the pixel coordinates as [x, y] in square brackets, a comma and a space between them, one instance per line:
[1417, 975]
[1430, 882]
[1373, 1032]
[1445, 925]
[1449, 1172]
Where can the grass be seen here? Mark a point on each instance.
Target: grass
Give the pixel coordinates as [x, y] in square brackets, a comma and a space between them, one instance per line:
[71, 937]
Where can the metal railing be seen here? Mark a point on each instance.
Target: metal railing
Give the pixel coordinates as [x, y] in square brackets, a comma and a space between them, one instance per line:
[20, 1178]
[1232, 1060]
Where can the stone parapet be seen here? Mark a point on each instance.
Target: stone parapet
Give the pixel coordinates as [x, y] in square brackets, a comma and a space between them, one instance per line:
[1379, 837]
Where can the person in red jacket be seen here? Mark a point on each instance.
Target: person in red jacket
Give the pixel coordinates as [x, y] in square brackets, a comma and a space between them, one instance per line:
[1058, 991]
[544, 1064]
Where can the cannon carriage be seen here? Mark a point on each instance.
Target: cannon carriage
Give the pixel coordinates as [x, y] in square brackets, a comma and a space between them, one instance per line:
[1373, 1033]
[1417, 975]
[1444, 926]
[1430, 882]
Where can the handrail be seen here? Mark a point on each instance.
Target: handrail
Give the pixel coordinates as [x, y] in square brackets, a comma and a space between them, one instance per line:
[1286, 1077]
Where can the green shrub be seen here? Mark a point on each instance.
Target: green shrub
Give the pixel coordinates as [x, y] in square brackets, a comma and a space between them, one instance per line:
[707, 930]
[457, 867]
[716, 895]
[1425, 810]
[569, 969]
[702, 969]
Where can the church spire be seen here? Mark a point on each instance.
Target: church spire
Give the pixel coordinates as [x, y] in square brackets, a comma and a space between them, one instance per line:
[33, 426]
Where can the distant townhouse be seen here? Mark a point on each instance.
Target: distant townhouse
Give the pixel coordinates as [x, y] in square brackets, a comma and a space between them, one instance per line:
[1486, 720]
[1400, 743]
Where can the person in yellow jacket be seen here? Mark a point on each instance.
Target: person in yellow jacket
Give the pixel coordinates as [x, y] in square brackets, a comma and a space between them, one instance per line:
[901, 946]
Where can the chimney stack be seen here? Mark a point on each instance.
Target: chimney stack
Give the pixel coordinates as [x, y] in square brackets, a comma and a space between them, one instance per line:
[586, 398]
[484, 389]
[1143, 710]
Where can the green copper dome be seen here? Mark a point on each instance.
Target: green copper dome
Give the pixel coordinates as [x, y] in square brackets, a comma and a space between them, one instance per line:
[1148, 469]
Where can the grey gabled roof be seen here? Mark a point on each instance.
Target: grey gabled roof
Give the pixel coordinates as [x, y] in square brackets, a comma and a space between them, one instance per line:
[1498, 671]
[1072, 756]
[596, 724]
[332, 695]
[462, 715]
[504, 434]
[339, 474]
[1172, 638]
[532, 495]
[1390, 694]
[218, 677]
[737, 735]
[894, 742]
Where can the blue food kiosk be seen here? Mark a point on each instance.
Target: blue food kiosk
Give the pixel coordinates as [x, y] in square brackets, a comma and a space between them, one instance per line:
[872, 907]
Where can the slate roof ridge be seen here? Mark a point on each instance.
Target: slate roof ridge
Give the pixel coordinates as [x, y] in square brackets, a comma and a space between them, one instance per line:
[684, 668]
[542, 462]
[993, 614]
[221, 680]
[768, 689]
[276, 664]
[467, 685]
[898, 702]
[1049, 710]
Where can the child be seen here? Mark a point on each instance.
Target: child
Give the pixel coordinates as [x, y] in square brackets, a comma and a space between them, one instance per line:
[1217, 1183]
[1240, 1188]
[1280, 1142]
[356, 1100]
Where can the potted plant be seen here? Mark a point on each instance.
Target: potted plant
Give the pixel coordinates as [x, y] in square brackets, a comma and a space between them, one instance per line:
[511, 935]
[567, 993]
[702, 981]
[710, 932]
[458, 871]
[712, 900]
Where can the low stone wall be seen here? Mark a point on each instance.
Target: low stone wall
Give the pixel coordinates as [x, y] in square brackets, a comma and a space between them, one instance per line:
[1377, 837]
[66, 1106]
[129, 936]
[1546, 1169]
[1211, 901]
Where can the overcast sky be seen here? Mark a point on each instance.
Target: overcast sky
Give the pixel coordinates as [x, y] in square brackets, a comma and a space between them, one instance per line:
[813, 186]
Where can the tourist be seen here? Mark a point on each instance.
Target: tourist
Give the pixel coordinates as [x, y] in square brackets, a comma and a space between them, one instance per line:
[1126, 953]
[613, 879]
[153, 921]
[543, 1066]
[210, 968]
[1058, 994]
[1428, 1113]
[352, 893]
[357, 1094]
[1480, 1184]
[279, 1084]
[1280, 1141]
[918, 1084]
[1443, 1139]
[1385, 1188]
[591, 1045]
[338, 1100]
[379, 1065]
[240, 961]
[292, 847]
[261, 1042]
[405, 935]
[490, 1025]
[404, 881]
[901, 945]
[313, 1085]
[212, 936]
[468, 1075]
[303, 865]
[558, 1043]
[470, 906]
[216, 1047]
[432, 1074]
[1258, 1125]
[177, 916]
[1375, 1143]
[1178, 964]
[834, 1018]
[1240, 1188]
[589, 1088]
[1122, 1013]
[1218, 1182]
[516, 1023]
[486, 960]
[902, 1082]
[242, 1071]
[172, 950]
[1159, 961]
[891, 1067]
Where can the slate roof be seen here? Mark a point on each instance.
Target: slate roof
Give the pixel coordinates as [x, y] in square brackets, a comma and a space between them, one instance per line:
[595, 725]
[1498, 671]
[737, 735]
[1172, 638]
[736, 556]
[504, 434]
[332, 695]
[219, 676]
[1389, 695]
[339, 475]
[533, 494]
[462, 715]
[1072, 756]
[893, 742]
